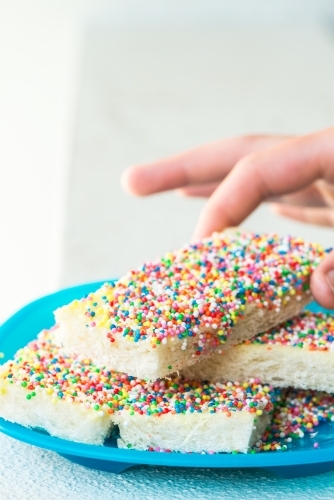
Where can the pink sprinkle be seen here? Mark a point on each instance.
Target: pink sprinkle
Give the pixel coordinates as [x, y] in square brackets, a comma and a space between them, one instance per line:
[316, 445]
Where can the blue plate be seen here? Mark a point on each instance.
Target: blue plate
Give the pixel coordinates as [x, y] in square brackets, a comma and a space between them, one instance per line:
[301, 459]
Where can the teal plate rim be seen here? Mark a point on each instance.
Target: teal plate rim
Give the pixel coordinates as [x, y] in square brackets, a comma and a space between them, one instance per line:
[24, 325]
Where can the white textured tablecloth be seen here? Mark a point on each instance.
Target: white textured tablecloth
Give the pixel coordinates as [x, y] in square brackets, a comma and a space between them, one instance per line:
[28, 473]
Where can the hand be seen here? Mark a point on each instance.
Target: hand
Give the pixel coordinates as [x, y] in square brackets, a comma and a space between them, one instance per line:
[237, 174]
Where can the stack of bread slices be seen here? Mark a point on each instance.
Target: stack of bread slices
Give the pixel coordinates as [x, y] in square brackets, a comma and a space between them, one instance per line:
[173, 355]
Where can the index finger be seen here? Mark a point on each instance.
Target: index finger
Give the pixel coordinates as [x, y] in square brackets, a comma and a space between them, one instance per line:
[282, 169]
[205, 164]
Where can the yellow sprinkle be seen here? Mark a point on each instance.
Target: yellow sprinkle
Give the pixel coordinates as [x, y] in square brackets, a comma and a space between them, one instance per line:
[259, 412]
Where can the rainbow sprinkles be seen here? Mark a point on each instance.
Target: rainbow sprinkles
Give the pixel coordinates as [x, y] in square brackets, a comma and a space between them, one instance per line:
[296, 353]
[71, 398]
[170, 313]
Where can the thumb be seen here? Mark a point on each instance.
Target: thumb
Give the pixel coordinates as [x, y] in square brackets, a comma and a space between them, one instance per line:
[322, 282]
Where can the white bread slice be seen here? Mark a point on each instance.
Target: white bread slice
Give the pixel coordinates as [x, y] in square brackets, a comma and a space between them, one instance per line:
[72, 399]
[174, 312]
[188, 416]
[298, 353]
[192, 432]
[60, 419]
[30, 393]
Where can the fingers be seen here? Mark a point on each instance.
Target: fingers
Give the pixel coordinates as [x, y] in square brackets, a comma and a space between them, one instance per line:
[322, 282]
[280, 170]
[318, 216]
[326, 191]
[202, 191]
[206, 164]
[309, 197]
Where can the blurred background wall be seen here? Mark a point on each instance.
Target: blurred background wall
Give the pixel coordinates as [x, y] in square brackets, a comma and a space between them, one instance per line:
[88, 88]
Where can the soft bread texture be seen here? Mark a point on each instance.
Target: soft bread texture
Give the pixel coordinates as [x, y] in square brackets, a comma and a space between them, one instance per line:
[59, 418]
[45, 388]
[191, 432]
[280, 366]
[69, 397]
[142, 360]
[297, 353]
[225, 265]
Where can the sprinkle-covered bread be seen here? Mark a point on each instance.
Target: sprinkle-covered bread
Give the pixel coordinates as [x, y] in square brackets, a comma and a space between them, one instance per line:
[173, 312]
[71, 398]
[42, 387]
[297, 413]
[298, 353]
[188, 416]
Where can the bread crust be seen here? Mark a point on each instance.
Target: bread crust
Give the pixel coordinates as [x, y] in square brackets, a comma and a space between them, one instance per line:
[143, 361]
[298, 353]
[173, 313]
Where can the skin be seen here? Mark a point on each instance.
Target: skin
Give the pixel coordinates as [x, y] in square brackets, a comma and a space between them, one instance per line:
[295, 174]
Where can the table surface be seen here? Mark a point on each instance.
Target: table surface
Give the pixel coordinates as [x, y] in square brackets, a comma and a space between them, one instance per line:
[45, 475]
[143, 102]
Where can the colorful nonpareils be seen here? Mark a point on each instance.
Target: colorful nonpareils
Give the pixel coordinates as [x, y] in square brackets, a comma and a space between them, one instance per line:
[203, 286]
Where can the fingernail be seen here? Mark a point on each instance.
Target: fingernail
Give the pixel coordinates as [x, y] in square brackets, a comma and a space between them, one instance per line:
[330, 279]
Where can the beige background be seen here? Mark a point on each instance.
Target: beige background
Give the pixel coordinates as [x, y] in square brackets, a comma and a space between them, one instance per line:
[87, 88]
[146, 93]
